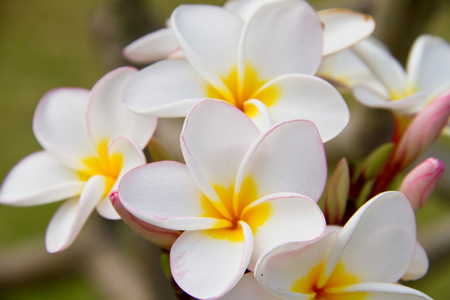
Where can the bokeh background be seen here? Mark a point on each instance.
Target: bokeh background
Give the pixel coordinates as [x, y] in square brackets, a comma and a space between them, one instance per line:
[51, 43]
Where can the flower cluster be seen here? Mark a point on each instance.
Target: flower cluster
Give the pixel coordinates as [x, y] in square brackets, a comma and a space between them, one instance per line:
[254, 83]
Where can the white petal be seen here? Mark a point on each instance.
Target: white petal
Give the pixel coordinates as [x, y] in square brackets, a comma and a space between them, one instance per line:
[60, 125]
[248, 288]
[206, 33]
[344, 28]
[260, 114]
[164, 194]
[384, 66]
[214, 140]
[70, 217]
[429, 64]
[309, 98]
[169, 88]
[245, 9]
[152, 47]
[288, 158]
[25, 184]
[206, 264]
[283, 269]
[419, 265]
[407, 105]
[283, 37]
[106, 210]
[280, 219]
[108, 117]
[382, 291]
[377, 243]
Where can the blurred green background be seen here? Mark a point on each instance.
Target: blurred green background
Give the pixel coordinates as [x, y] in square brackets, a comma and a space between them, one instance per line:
[49, 43]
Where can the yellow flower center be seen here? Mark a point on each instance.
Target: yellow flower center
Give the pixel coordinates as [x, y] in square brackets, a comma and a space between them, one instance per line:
[104, 165]
[238, 92]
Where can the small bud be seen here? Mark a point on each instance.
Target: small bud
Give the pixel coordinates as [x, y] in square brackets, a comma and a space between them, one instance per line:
[423, 131]
[161, 237]
[420, 182]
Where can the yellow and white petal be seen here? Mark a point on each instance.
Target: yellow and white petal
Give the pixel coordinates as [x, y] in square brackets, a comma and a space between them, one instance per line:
[281, 218]
[208, 263]
[294, 268]
[344, 28]
[419, 265]
[384, 66]
[259, 113]
[169, 88]
[206, 33]
[294, 97]
[108, 117]
[70, 217]
[429, 63]
[248, 288]
[152, 47]
[377, 291]
[376, 244]
[282, 37]
[60, 126]
[165, 194]
[214, 140]
[37, 179]
[288, 158]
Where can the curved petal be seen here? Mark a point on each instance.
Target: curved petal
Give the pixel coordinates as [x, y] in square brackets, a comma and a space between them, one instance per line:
[245, 9]
[25, 184]
[428, 63]
[208, 264]
[248, 288]
[280, 219]
[343, 28]
[380, 291]
[214, 140]
[294, 267]
[205, 33]
[376, 244]
[169, 88]
[309, 98]
[151, 47]
[407, 105]
[282, 37]
[419, 265]
[60, 126]
[259, 113]
[108, 117]
[288, 158]
[384, 66]
[67, 221]
[164, 194]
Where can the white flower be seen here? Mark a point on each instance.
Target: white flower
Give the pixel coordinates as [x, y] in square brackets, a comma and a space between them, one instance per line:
[90, 140]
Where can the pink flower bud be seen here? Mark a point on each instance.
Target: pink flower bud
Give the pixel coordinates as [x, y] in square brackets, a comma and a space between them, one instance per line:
[161, 237]
[423, 131]
[420, 182]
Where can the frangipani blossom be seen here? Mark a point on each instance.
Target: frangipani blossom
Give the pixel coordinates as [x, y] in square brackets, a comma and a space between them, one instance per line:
[262, 66]
[90, 140]
[363, 260]
[342, 29]
[240, 194]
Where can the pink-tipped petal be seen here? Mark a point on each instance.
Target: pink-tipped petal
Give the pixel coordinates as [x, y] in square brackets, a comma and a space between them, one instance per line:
[70, 217]
[151, 47]
[169, 88]
[164, 194]
[161, 237]
[60, 126]
[343, 28]
[108, 117]
[208, 264]
[25, 184]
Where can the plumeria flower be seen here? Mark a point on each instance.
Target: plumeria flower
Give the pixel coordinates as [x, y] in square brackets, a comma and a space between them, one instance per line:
[342, 29]
[240, 194]
[262, 66]
[90, 140]
[363, 260]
